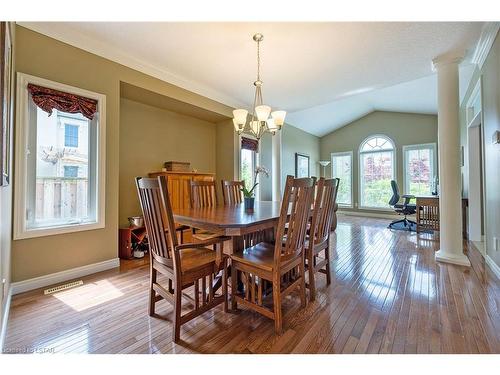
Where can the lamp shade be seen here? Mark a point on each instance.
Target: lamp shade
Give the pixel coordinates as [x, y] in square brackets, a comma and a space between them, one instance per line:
[236, 125]
[271, 125]
[279, 117]
[262, 112]
[324, 163]
[240, 115]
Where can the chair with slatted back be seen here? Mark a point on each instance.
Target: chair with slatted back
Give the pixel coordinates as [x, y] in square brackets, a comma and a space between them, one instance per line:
[204, 194]
[231, 191]
[271, 261]
[184, 265]
[318, 239]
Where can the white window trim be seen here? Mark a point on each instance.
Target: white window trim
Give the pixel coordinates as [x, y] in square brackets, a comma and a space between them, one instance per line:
[418, 147]
[22, 109]
[351, 154]
[394, 169]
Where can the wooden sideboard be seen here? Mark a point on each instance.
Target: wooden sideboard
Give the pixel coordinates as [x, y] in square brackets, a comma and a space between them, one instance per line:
[179, 184]
[428, 214]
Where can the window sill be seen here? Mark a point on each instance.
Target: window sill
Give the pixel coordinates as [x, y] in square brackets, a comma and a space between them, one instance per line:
[375, 209]
[54, 231]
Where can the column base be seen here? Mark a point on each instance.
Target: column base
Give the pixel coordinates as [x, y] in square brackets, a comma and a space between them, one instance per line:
[446, 257]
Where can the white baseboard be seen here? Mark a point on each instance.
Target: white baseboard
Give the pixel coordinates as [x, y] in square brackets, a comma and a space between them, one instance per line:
[370, 214]
[58, 277]
[5, 318]
[494, 267]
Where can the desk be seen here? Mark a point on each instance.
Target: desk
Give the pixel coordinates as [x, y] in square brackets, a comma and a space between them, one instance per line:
[428, 213]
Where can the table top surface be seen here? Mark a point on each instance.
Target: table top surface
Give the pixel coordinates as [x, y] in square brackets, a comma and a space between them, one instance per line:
[233, 216]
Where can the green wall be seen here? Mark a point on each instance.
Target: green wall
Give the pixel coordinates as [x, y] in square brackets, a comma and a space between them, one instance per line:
[489, 75]
[149, 136]
[402, 128]
[295, 140]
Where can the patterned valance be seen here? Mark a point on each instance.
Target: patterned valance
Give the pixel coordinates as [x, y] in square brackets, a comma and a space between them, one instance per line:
[249, 144]
[48, 99]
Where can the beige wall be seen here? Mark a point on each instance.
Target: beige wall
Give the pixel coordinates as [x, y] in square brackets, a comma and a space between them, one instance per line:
[150, 136]
[490, 80]
[402, 128]
[47, 58]
[6, 219]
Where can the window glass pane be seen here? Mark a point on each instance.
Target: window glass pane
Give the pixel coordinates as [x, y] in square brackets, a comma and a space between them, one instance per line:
[247, 167]
[62, 169]
[376, 176]
[377, 144]
[419, 171]
[341, 168]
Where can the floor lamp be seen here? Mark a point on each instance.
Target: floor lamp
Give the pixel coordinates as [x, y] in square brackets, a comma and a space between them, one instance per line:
[324, 164]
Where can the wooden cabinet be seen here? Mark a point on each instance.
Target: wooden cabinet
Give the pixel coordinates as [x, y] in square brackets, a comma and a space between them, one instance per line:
[179, 184]
[131, 238]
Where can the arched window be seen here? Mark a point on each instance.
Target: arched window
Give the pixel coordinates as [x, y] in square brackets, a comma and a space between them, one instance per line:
[376, 170]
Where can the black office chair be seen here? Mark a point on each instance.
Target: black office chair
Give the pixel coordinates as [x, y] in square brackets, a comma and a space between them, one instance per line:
[404, 208]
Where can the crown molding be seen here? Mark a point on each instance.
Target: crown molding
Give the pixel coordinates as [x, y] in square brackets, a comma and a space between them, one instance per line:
[108, 51]
[483, 46]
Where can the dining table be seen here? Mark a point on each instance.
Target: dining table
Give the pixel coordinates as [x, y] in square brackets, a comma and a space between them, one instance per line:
[244, 227]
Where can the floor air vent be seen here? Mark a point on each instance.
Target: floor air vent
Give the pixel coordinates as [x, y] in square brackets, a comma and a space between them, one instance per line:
[63, 287]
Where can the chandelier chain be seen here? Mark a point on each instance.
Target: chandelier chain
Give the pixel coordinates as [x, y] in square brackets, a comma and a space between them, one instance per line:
[258, 60]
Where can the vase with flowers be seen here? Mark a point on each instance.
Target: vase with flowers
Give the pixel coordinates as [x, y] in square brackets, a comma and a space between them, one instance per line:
[249, 194]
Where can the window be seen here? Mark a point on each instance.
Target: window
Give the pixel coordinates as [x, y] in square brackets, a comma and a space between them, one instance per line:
[419, 168]
[70, 135]
[60, 159]
[70, 171]
[376, 169]
[342, 168]
[247, 167]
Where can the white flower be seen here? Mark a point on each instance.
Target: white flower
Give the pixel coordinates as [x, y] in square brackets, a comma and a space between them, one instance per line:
[263, 170]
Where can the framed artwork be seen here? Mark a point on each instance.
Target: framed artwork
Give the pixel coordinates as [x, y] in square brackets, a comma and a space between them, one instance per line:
[302, 165]
[5, 102]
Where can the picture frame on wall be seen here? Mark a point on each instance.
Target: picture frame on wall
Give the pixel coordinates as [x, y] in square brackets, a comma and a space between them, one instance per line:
[6, 97]
[302, 165]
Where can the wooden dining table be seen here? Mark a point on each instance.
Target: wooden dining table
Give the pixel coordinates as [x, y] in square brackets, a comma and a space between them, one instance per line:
[245, 228]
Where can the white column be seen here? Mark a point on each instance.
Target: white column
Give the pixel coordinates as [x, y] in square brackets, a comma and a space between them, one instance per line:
[450, 196]
[276, 167]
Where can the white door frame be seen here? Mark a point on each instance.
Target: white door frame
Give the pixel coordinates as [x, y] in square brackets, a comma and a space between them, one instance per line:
[474, 175]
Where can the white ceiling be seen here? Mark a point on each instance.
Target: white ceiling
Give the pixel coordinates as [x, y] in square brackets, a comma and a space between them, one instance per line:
[323, 74]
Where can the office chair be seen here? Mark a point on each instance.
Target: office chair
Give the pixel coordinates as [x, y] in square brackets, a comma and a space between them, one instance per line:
[404, 208]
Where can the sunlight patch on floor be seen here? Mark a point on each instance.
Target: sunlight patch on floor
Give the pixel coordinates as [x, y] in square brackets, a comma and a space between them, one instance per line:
[89, 295]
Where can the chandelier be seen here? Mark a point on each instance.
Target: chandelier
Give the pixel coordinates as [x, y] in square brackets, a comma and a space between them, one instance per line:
[260, 122]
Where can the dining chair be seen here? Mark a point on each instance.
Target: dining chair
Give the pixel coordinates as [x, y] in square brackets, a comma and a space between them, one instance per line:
[271, 261]
[204, 194]
[185, 265]
[334, 221]
[231, 191]
[318, 239]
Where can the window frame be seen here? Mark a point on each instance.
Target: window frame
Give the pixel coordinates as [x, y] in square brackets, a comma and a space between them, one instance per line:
[351, 155]
[360, 179]
[255, 161]
[418, 147]
[20, 230]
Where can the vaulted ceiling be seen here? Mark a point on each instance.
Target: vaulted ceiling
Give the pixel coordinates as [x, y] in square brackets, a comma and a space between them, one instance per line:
[323, 74]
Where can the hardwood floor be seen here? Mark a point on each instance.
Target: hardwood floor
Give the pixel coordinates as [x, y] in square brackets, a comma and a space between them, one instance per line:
[388, 295]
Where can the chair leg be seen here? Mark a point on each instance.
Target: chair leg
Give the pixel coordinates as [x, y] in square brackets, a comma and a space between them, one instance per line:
[310, 268]
[327, 257]
[176, 333]
[303, 297]
[234, 287]
[224, 285]
[152, 293]
[278, 319]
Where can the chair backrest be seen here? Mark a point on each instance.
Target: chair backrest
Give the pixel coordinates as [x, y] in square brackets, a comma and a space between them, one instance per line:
[395, 193]
[295, 209]
[231, 191]
[158, 217]
[203, 194]
[323, 210]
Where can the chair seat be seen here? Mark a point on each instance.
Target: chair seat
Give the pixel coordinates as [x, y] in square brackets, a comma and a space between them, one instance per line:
[192, 259]
[260, 255]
